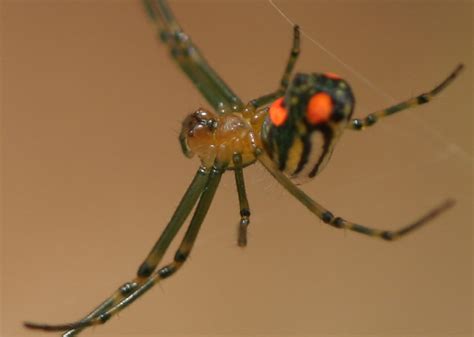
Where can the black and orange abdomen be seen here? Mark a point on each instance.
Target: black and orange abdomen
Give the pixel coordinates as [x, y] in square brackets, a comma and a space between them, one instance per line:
[302, 128]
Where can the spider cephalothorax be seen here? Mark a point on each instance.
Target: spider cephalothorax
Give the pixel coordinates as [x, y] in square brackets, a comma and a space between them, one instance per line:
[302, 128]
[213, 137]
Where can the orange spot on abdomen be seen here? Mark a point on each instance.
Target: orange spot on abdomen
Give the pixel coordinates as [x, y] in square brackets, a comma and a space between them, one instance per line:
[320, 107]
[332, 76]
[278, 113]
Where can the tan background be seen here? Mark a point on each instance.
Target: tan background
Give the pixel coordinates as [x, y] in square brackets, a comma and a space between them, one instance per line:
[92, 171]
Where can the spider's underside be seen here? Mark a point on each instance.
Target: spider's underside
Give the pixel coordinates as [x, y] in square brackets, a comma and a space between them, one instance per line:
[291, 132]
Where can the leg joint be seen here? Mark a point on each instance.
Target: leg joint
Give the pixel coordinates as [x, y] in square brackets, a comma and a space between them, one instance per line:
[327, 217]
[295, 52]
[166, 271]
[104, 317]
[181, 256]
[389, 236]
[145, 270]
[370, 119]
[128, 288]
[245, 212]
[338, 222]
[357, 124]
[422, 99]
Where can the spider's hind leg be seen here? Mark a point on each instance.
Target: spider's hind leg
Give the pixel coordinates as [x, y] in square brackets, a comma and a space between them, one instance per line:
[372, 118]
[327, 217]
[285, 79]
[243, 202]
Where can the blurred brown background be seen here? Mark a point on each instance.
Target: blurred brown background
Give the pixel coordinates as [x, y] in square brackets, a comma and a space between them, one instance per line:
[92, 171]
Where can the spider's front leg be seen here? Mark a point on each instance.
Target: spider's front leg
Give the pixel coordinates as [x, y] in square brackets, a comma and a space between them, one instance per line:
[190, 59]
[372, 118]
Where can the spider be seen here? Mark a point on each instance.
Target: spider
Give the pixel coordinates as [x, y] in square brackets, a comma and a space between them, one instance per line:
[292, 132]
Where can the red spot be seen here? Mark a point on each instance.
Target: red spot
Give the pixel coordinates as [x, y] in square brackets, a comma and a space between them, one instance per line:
[320, 107]
[278, 113]
[332, 76]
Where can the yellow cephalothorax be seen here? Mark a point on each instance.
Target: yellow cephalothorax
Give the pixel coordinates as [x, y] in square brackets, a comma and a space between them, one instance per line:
[218, 137]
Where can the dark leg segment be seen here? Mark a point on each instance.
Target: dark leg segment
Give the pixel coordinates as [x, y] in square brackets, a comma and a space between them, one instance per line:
[180, 257]
[191, 61]
[243, 202]
[154, 257]
[295, 51]
[338, 222]
[371, 119]
[180, 215]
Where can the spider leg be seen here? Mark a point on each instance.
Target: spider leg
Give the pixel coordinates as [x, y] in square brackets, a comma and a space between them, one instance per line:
[190, 59]
[190, 198]
[180, 257]
[327, 217]
[243, 202]
[187, 203]
[372, 118]
[295, 51]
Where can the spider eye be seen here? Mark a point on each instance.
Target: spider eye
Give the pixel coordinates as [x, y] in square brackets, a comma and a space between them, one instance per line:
[278, 113]
[320, 107]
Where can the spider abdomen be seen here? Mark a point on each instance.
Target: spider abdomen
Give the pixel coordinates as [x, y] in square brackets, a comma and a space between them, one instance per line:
[302, 128]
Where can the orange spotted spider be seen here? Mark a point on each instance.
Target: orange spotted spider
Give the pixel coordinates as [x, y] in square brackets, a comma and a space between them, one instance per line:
[291, 132]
